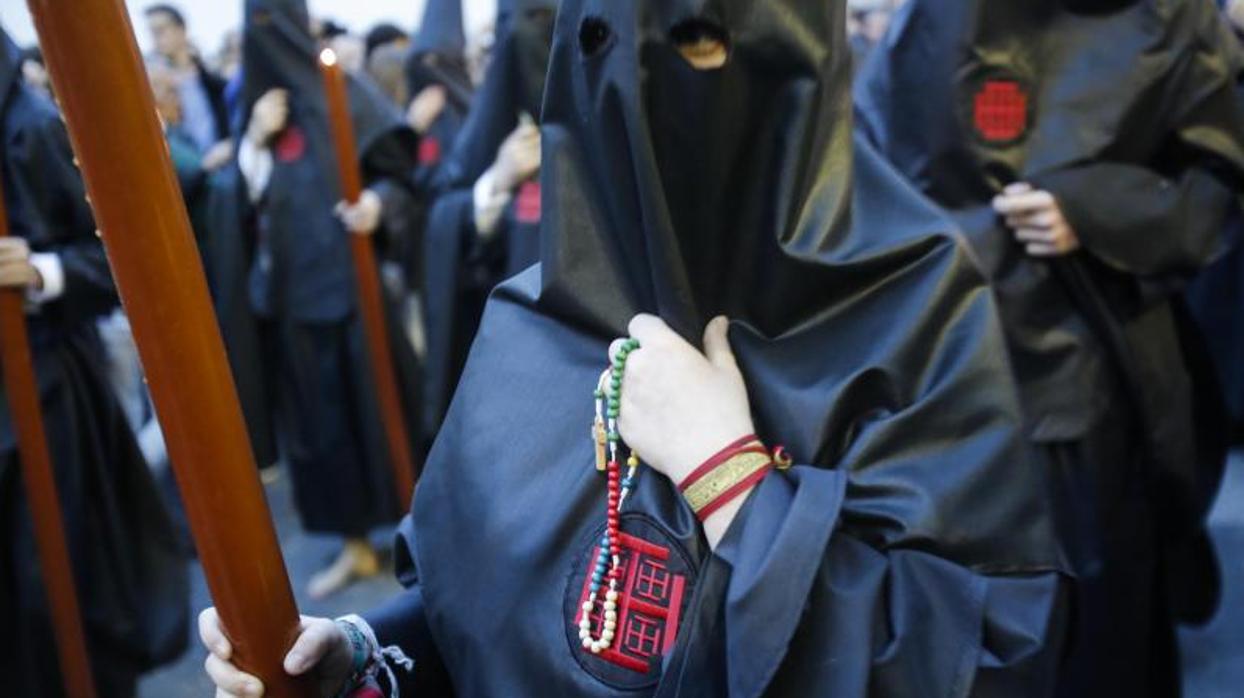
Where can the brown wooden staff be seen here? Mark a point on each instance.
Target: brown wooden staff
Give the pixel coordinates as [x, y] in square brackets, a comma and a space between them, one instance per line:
[371, 303]
[26, 413]
[106, 101]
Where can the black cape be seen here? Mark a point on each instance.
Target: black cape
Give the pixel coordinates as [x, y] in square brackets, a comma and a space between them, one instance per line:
[130, 570]
[1128, 114]
[908, 553]
[302, 278]
[460, 268]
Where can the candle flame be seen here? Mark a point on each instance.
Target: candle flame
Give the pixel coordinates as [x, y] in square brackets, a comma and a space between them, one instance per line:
[328, 57]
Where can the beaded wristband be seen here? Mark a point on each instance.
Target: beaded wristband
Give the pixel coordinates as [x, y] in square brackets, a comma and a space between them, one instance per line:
[726, 475]
[360, 660]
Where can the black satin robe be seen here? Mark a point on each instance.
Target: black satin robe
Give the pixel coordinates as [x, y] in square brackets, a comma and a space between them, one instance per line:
[909, 551]
[130, 568]
[1129, 115]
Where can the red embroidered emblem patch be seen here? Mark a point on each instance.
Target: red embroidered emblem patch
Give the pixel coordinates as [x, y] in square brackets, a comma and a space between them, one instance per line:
[1000, 111]
[291, 145]
[651, 603]
[429, 151]
[658, 579]
[527, 204]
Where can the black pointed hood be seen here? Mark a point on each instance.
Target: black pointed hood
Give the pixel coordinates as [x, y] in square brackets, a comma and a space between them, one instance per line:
[441, 31]
[438, 53]
[513, 85]
[739, 179]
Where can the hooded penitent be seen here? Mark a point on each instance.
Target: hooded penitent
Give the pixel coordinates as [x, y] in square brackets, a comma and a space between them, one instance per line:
[129, 566]
[302, 275]
[437, 57]
[1129, 114]
[460, 266]
[908, 553]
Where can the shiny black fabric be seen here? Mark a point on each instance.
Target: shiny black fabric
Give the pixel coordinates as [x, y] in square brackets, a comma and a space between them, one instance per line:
[908, 553]
[460, 268]
[301, 280]
[130, 569]
[1130, 117]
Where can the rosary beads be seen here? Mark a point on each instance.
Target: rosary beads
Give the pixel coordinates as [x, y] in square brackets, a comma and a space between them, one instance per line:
[608, 564]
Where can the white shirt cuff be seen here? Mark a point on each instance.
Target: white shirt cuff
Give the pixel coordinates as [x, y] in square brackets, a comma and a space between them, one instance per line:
[489, 205]
[49, 266]
[255, 162]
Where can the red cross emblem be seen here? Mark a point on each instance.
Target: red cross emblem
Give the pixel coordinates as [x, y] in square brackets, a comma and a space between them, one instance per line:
[429, 151]
[291, 145]
[1000, 111]
[527, 205]
[649, 610]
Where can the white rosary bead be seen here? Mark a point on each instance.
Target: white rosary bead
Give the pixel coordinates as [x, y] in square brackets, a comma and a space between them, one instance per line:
[611, 596]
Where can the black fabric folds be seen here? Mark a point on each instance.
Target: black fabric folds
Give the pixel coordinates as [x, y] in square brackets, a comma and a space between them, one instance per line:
[909, 553]
[1128, 113]
[461, 268]
[1137, 107]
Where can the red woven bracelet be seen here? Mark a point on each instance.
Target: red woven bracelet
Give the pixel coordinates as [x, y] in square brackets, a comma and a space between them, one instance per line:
[727, 474]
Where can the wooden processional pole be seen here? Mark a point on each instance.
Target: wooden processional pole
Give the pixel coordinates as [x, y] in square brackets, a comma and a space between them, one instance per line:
[107, 104]
[26, 413]
[371, 302]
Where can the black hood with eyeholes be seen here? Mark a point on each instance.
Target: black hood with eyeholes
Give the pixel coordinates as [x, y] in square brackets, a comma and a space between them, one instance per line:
[913, 519]
[437, 55]
[513, 84]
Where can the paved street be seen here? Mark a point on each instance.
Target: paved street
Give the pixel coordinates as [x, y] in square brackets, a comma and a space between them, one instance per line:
[1213, 655]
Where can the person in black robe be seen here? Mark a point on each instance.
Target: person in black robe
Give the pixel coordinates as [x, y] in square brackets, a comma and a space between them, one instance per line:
[485, 224]
[439, 85]
[302, 281]
[440, 90]
[700, 162]
[131, 573]
[430, 81]
[1092, 151]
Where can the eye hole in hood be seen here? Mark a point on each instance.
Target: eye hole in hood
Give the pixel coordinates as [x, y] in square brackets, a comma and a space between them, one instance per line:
[594, 34]
[704, 45]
